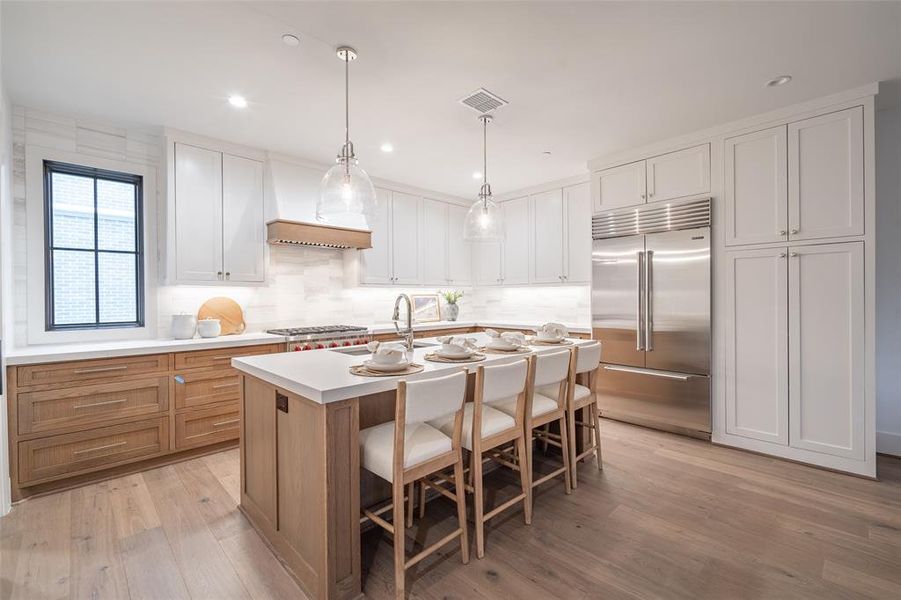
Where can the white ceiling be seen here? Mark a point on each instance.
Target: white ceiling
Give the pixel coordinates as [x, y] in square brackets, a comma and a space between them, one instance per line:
[583, 79]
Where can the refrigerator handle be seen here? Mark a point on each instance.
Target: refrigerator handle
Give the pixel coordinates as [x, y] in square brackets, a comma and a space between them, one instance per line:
[639, 320]
[649, 301]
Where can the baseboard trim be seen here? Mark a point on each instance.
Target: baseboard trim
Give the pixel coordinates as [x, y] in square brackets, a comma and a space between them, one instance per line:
[888, 443]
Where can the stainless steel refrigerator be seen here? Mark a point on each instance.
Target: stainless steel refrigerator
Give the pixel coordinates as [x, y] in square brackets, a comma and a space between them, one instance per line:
[650, 308]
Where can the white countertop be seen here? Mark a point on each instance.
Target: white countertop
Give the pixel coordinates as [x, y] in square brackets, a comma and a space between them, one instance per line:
[53, 353]
[324, 375]
[381, 328]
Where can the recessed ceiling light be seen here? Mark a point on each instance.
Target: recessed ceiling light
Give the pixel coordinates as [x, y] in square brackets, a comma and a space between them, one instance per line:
[781, 80]
[546, 153]
[386, 147]
[290, 39]
[237, 101]
[477, 175]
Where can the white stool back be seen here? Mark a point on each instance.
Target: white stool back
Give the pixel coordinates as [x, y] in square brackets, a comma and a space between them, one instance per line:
[589, 357]
[502, 382]
[552, 369]
[429, 399]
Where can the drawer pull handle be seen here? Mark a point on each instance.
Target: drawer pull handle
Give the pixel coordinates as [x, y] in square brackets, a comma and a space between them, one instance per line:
[104, 403]
[100, 370]
[221, 357]
[229, 422]
[86, 450]
[225, 385]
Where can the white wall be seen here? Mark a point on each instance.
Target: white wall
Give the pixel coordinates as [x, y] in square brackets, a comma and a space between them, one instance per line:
[888, 281]
[5, 277]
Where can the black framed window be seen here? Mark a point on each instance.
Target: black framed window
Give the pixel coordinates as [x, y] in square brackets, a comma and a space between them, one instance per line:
[94, 248]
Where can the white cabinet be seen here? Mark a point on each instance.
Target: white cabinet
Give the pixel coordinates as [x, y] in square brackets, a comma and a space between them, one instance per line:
[795, 347]
[577, 234]
[679, 174]
[459, 251]
[547, 227]
[825, 173]
[243, 229]
[434, 238]
[826, 349]
[218, 210]
[757, 344]
[487, 263]
[405, 209]
[375, 262]
[515, 248]
[756, 187]
[620, 186]
[198, 214]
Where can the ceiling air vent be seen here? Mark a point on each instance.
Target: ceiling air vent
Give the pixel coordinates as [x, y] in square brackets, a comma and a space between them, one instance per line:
[482, 101]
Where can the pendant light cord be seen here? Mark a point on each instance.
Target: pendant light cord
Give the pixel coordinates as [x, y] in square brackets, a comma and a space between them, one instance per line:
[346, 98]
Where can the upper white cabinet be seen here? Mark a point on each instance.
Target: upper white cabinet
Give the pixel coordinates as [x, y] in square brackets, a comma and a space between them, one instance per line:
[665, 177]
[827, 349]
[577, 234]
[679, 174]
[243, 229]
[800, 181]
[515, 248]
[624, 185]
[825, 174]
[756, 187]
[375, 262]
[547, 237]
[487, 263]
[459, 251]
[416, 241]
[218, 217]
[757, 344]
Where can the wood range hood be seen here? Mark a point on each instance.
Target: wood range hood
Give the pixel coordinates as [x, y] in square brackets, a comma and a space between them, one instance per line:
[282, 231]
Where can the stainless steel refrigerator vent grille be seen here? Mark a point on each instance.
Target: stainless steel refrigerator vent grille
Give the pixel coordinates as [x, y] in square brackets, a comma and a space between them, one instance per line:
[651, 218]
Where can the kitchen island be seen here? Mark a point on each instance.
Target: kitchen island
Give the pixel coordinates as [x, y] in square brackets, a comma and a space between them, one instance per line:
[301, 484]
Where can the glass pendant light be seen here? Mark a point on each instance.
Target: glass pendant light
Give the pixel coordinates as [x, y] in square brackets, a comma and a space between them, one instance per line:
[346, 188]
[484, 221]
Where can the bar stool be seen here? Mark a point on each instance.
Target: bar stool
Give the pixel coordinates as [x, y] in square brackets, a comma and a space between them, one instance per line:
[494, 386]
[546, 403]
[585, 363]
[406, 449]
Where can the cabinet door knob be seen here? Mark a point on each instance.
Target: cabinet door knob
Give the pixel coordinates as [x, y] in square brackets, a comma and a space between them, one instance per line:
[794, 254]
[644, 196]
[228, 275]
[782, 232]
[782, 255]
[219, 274]
[794, 231]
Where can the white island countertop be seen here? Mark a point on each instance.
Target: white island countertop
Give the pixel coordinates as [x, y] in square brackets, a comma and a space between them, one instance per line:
[324, 375]
[382, 328]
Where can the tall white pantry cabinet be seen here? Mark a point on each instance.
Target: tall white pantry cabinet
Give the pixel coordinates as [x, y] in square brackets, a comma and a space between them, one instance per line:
[793, 276]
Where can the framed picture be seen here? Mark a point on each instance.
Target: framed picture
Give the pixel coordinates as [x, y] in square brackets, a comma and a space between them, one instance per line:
[426, 307]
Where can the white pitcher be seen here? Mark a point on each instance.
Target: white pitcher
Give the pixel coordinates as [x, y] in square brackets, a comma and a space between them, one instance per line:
[183, 326]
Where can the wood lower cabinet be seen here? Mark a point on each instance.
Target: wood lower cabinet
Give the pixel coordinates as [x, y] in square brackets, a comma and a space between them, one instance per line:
[78, 421]
[202, 427]
[48, 458]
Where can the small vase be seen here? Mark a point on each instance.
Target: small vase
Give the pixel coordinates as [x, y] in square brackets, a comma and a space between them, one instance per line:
[451, 311]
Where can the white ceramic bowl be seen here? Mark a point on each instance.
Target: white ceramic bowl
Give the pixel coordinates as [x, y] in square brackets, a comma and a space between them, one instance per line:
[209, 328]
[386, 367]
[453, 351]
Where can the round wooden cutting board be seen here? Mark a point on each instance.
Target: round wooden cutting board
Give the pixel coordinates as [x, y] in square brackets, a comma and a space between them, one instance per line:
[229, 313]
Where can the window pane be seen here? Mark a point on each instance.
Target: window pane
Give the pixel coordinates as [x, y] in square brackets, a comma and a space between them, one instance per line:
[73, 211]
[73, 287]
[115, 215]
[118, 277]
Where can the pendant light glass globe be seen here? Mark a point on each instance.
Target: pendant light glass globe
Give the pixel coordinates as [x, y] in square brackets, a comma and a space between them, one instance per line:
[483, 222]
[346, 189]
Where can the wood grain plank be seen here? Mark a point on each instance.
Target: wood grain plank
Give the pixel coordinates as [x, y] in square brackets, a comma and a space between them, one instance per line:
[43, 565]
[95, 563]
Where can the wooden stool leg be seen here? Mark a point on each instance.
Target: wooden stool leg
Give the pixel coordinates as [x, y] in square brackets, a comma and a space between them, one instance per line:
[547, 430]
[597, 434]
[525, 479]
[570, 448]
[528, 466]
[567, 466]
[399, 539]
[422, 492]
[461, 508]
[411, 490]
[479, 507]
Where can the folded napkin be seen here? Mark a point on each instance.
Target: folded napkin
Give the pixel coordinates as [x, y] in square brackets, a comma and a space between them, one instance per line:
[555, 330]
[387, 350]
[463, 343]
[513, 338]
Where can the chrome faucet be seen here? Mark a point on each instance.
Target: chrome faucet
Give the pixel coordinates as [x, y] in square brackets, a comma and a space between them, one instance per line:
[408, 334]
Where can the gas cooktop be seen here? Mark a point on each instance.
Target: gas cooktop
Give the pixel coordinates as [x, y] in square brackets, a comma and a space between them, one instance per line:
[322, 331]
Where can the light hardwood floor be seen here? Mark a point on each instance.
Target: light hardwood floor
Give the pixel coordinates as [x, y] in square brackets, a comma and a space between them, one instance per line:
[669, 517]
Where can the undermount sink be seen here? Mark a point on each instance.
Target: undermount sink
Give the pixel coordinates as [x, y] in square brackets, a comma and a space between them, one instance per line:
[361, 350]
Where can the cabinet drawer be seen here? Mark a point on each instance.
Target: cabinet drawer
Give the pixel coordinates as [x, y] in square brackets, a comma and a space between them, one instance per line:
[91, 404]
[221, 357]
[92, 370]
[74, 453]
[197, 389]
[207, 426]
